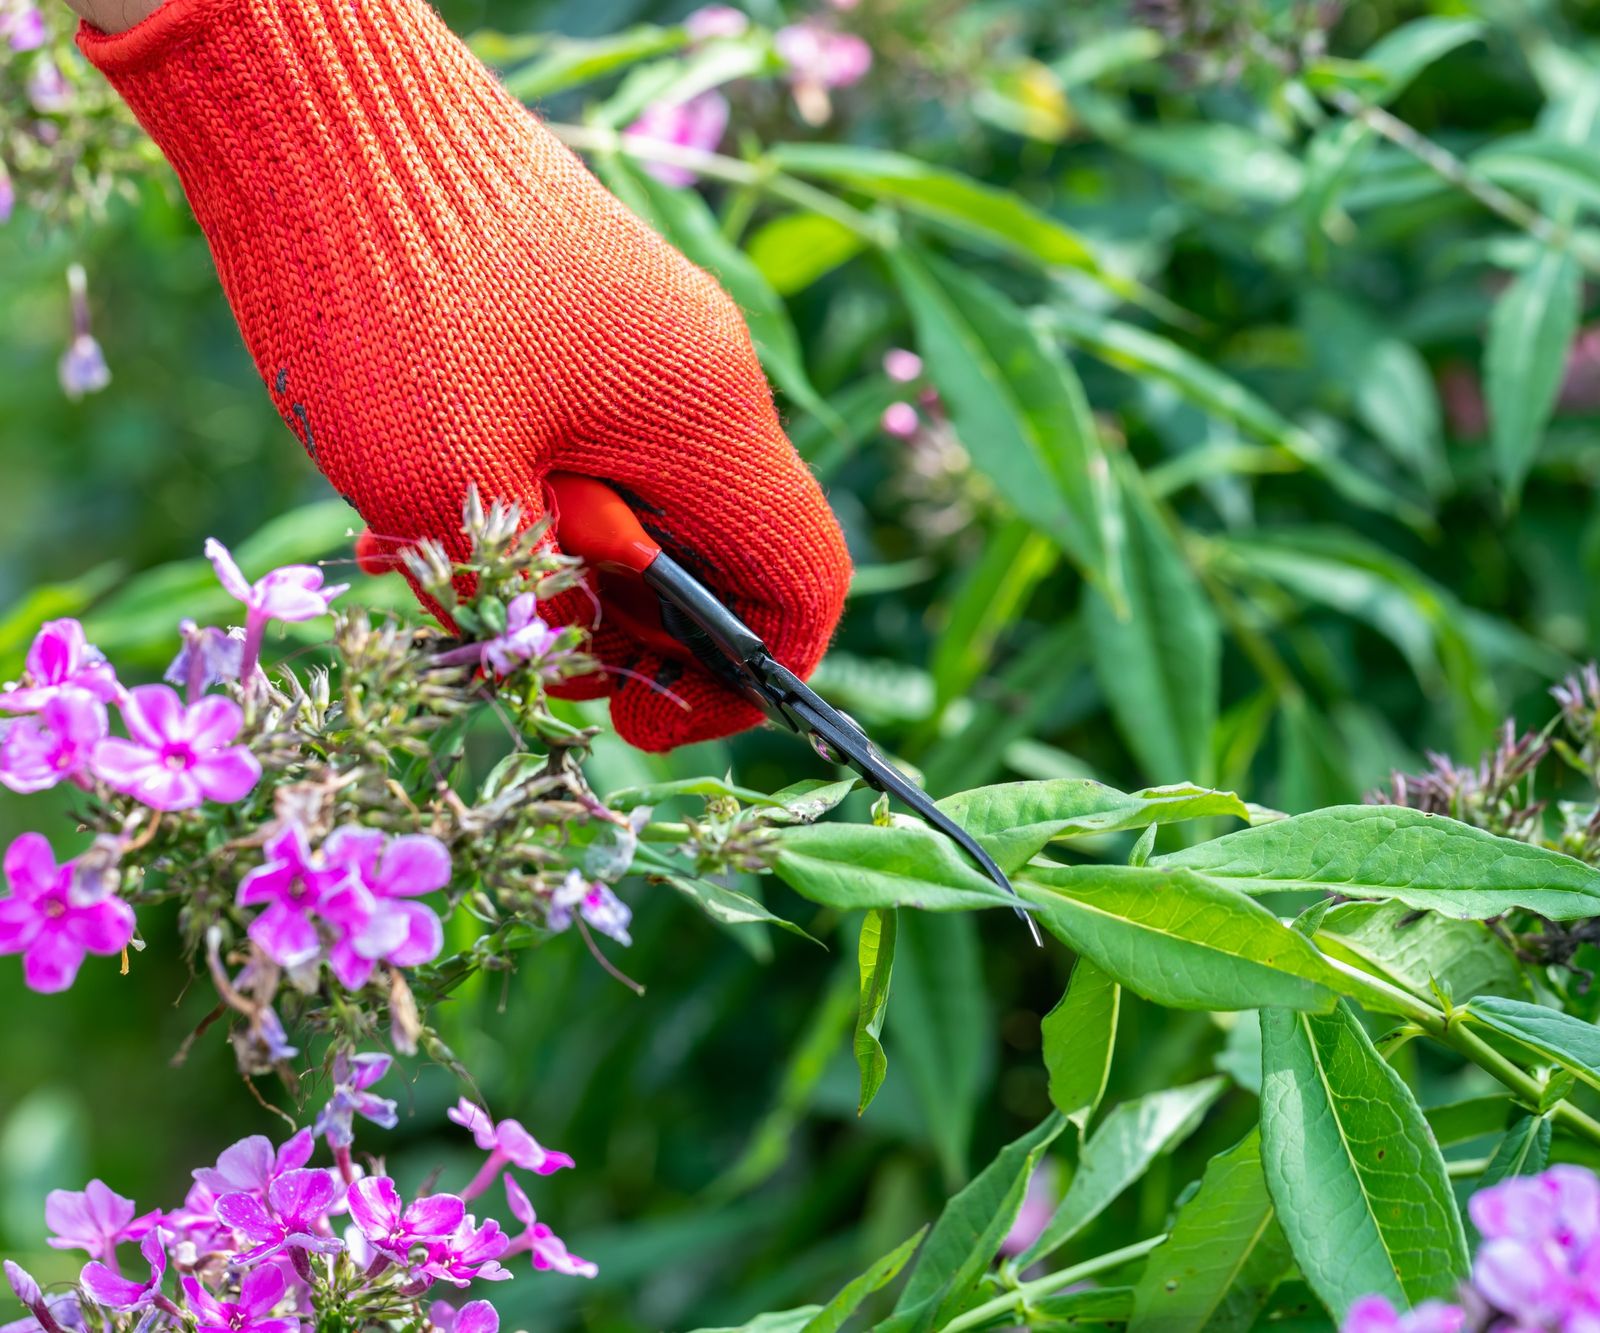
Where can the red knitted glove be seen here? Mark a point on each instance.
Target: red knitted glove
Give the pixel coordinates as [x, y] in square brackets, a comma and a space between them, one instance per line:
[437, 292]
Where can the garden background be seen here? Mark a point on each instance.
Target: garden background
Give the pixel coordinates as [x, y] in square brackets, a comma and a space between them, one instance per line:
[1324, 274]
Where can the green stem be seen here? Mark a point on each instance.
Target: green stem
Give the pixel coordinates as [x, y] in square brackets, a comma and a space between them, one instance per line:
[1016, 1302]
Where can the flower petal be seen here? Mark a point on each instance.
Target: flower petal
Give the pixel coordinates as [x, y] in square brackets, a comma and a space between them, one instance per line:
[121, 764]
[213, 722]
[412, 865]
[51, 962]
[112, 1289]
[517, 1198]
[261, 1289]
[477, 1317]
[286, 936]
[243, 1166]
[154, 714]
[227, 776]
[228, 572]
[375, 1206]
[247, 1214]
[104, 928]
[30, 866]
[436, 1216]
[424, 938]
[356, 848]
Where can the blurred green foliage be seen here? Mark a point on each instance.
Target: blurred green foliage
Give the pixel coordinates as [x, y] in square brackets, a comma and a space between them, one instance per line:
[1218, 499]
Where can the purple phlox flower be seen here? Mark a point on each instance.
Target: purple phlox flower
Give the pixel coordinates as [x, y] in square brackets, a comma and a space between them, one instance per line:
[712, 21]
[1560, 1205]
[1374, 1314]
[820, 59]
[52, 920]
[8, 202]
[109, 1288]
[56, 744]
[82, 369]
[595, 902]
[96, 1219]
[208, 657]
[290, 594]
[507, 1143]
[469, 1254]
[473, 1317]
[22, 26]
[259, 1292]
[294, 1215]
[352, 1076]
[392, 1228]
[48, 89]
[1038, 1207]
[294, 885]
[193, 1229]
[46, 1314]
[900, 421]
[178, 756]
[526, 639]
[251, 1165]
[698, 123]
[372, 906]
[1540, 1261]
[549, 1251]
[60, 659]
[901, 365]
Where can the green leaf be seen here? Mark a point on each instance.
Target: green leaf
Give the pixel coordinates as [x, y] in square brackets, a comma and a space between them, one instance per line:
[796, 249]
[1179, 939]
[1400, 55]
[1015, 821]
[941, 1030]
[1017, 406]
[780, 1321]
[1148, 356]
[1220, 158]
[1118, 1153]
[1383, 851]
[1531, 328]
[1569, 1041]
[1522, 1152]
[1158, 664]
[1080, 1038]
[52, 601]
[809, 799]
[1473, 1118]
[993, 217]
[1223, 1256]
[729, 907]
[967, 1236]
[836, 1313]
[1354, 1170]
[675, 81]
[1462, 958]
[852, 866]
[569, 62]
[654, 793]
[686, 220]
[1543, 165]
[875, 959]
[1073, 1309]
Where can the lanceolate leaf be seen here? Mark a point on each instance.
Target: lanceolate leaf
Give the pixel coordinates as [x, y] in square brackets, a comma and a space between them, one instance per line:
[1223, 1256]
[1017, 406]
[851, 866]
[1423, 951]
[1529, 333]
[729, 907]
[1158, 665]
[875, 958]
[1522, 1152]
[967, 1236]
[1382, 851]
[1080, 1038]
[1016, 820]
[1178, 939]
[1569, 1041]
[836, 1313]
[1354, 1170]
[1119, 1152]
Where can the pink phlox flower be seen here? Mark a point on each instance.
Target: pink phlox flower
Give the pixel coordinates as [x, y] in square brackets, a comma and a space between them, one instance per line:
[473, 1317]
[194, 1229]
[61, 658]
[506, 1142]
[53, 920]
[549, 1251]
[1540, 1261]
[712, 21]
[821, 56]
[22, 26]
[82, 369]
[371, 905]
[1038, 1207]
[1374, 1314]
[393, 1229]
[251, 1165]
[596, 903]
[527, 637]
[108, 1287]
[291, 594]
[259, 1293]
[56, 744]
[293, 884]
[8, 201]
[900, 421]
[901, 365]
[178, 756]
[53, 1314]
[1560, 1205]
[469, 1254]
[698, 123]
[293, 1216]
[50, 94]
[352, 1076]
[96, 1219]
[208, 657]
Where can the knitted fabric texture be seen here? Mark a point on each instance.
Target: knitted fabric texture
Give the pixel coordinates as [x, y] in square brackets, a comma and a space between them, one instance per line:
[437, 292]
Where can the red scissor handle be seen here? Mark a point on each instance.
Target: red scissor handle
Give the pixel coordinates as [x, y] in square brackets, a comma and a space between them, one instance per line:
[595, 524]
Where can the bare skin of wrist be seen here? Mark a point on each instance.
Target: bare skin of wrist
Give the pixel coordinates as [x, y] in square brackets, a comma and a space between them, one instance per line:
[115, 16]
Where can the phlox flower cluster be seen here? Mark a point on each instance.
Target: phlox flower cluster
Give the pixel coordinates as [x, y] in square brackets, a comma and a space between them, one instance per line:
[1537, 1270]
[267, 1242]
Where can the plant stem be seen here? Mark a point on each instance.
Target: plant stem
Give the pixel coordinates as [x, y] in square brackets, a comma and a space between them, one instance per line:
[1016, 1302]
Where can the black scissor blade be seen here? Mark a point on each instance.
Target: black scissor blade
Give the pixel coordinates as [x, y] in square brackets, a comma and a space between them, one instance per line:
[848, 741]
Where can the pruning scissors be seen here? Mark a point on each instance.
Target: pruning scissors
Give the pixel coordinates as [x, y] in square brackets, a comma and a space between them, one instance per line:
[596, 524]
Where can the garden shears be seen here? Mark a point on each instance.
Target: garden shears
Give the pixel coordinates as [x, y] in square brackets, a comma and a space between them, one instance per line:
[596, 524]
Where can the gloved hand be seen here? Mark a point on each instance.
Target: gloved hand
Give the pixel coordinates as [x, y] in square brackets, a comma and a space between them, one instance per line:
[437, 292]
